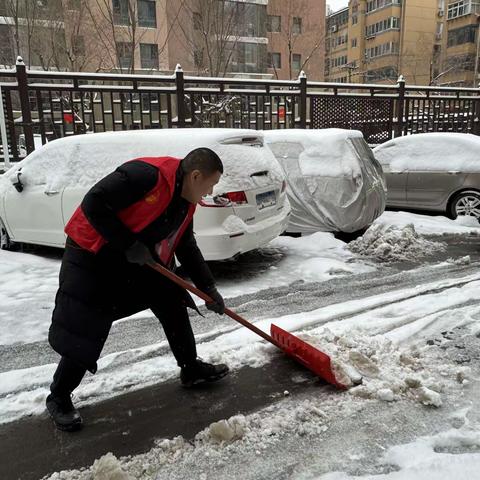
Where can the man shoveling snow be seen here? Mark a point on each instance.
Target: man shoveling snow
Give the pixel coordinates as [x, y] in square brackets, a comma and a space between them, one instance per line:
[139, 214]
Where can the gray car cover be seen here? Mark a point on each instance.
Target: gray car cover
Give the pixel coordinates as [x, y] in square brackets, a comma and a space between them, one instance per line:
[334, 183]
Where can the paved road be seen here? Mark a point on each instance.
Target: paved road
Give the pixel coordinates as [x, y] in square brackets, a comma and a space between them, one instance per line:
[128, 424]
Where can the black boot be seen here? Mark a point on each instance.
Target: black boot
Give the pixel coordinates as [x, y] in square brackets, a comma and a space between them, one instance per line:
[63, 413]
[201, 372]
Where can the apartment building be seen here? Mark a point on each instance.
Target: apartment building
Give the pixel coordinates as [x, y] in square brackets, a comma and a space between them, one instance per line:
[256, 38]
[337, 67]
[458, 43]
[384, 38]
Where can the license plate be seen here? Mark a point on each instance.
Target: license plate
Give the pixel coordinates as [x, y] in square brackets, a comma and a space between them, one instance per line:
[267, 199]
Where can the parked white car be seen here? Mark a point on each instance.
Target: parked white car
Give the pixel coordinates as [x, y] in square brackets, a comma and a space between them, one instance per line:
[248, 208]
[334, 184]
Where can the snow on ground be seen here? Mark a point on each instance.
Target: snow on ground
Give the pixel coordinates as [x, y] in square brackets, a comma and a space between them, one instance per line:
[380, 344]
[413, 376]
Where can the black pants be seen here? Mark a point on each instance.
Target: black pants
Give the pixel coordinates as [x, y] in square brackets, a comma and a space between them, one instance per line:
[176, 324]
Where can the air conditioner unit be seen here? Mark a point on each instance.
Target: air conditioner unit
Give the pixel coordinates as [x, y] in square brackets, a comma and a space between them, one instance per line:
[441, 13]
[334, 28]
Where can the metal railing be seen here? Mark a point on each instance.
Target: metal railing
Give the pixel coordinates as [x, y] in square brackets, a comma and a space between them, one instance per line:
[39, 106]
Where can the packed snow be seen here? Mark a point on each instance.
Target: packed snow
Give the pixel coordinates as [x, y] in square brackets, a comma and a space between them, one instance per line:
[446, 152]
[396, 351]
[324, 153]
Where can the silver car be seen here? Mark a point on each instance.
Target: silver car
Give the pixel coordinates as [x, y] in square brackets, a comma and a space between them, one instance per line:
[433, 171]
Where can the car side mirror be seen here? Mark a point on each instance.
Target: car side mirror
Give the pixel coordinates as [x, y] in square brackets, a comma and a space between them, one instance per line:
[16, 182]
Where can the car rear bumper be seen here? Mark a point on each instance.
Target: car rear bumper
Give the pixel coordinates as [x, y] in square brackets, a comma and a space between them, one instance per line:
[218, 244]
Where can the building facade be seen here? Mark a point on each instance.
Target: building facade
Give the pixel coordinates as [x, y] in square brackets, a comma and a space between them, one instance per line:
[458, 43]
[374, 41]
[296, 38]
[264, 38]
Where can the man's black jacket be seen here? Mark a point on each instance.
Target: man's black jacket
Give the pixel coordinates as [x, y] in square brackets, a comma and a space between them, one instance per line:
[124, 187]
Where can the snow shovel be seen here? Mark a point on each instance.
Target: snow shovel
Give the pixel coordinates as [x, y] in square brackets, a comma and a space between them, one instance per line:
[304, 353]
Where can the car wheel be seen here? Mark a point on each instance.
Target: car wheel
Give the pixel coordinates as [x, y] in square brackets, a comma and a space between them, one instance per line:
[466, 203]
[5, 242]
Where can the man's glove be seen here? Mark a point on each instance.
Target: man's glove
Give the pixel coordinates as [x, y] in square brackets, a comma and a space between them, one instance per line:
[139, 253]
[218, 305]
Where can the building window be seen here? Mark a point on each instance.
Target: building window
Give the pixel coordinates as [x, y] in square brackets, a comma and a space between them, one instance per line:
[340, 40]
[464, 62]
[274, 23]
[78, 45]
[382, 26]
[125, 54]
[198, 58]
[462, 35]
[459, 9]
[339, 61]
[296, 61]
[121, 14]
[389, 48]
[73, 4]
[385, 73]
[7, 55]
[197, 21]
[251, 53]
[354, 42]
[147, 14]
[149, 55]
[275, 60]
[297, 25]
[354, 19]
[373, 5]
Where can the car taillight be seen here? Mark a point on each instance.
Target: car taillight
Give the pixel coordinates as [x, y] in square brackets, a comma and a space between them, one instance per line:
[284, 186]
[237, 197]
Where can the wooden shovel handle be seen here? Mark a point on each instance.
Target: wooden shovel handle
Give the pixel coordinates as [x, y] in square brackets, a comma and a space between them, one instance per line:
[187, 286]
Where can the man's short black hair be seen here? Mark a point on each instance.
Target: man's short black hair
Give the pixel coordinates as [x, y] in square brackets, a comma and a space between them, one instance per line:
[203, 159]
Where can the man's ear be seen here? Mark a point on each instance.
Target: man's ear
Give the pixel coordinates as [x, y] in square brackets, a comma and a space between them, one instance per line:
[195, 174]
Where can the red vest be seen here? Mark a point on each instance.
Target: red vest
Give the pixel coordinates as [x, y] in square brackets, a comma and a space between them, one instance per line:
[140, 214]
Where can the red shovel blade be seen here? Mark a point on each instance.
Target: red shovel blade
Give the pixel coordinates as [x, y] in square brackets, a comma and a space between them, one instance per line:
[306, 354]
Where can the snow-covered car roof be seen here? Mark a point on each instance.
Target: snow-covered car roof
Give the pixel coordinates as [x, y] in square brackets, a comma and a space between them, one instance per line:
[440, 151]
[325, 152]
[61, 163]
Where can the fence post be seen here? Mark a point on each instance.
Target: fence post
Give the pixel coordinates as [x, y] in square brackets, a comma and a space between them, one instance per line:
[400, 106]
[303, 99]
[180, 87]
[22, 81]
[476, 120]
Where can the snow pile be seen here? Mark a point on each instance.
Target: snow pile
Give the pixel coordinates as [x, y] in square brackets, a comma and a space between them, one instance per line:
[109, 468]
[377, 368]
[431, 152]
[393, 244]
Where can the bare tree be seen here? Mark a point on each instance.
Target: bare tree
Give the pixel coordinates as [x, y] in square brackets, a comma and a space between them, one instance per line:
[23, 17]
[117, 29]
[212, 30]
[298, 33]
